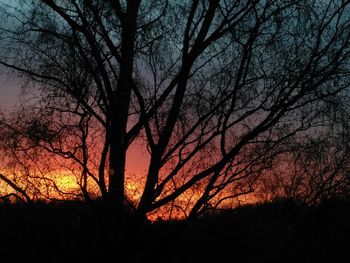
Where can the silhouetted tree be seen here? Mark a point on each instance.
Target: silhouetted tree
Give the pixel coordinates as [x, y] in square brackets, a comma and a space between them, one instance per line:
[28, 166]
[216, 89]
[316, 168]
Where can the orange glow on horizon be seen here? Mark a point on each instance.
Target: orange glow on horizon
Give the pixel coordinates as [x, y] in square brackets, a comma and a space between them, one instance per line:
[68, 184]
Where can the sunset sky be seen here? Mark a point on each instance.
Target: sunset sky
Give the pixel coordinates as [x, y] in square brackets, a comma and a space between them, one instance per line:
[10, 98]
[140, 98]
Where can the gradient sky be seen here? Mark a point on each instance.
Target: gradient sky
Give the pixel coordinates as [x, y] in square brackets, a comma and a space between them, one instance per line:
[10, 88]
[9, 91]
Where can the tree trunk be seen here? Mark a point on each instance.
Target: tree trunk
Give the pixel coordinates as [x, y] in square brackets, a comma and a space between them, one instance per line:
[116, 168]
[120, 108]
[148, 193]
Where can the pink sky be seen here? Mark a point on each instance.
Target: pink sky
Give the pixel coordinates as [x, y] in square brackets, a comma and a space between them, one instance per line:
[9, 98]
[9, 92]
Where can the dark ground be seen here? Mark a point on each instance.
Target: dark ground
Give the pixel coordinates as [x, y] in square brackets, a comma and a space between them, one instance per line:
[281, 231]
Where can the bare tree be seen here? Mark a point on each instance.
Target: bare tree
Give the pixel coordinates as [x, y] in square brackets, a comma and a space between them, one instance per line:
[314, 170]
[214, 88]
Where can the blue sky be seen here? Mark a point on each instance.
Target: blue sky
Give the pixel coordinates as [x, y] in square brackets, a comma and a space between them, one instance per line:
[9, 87]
